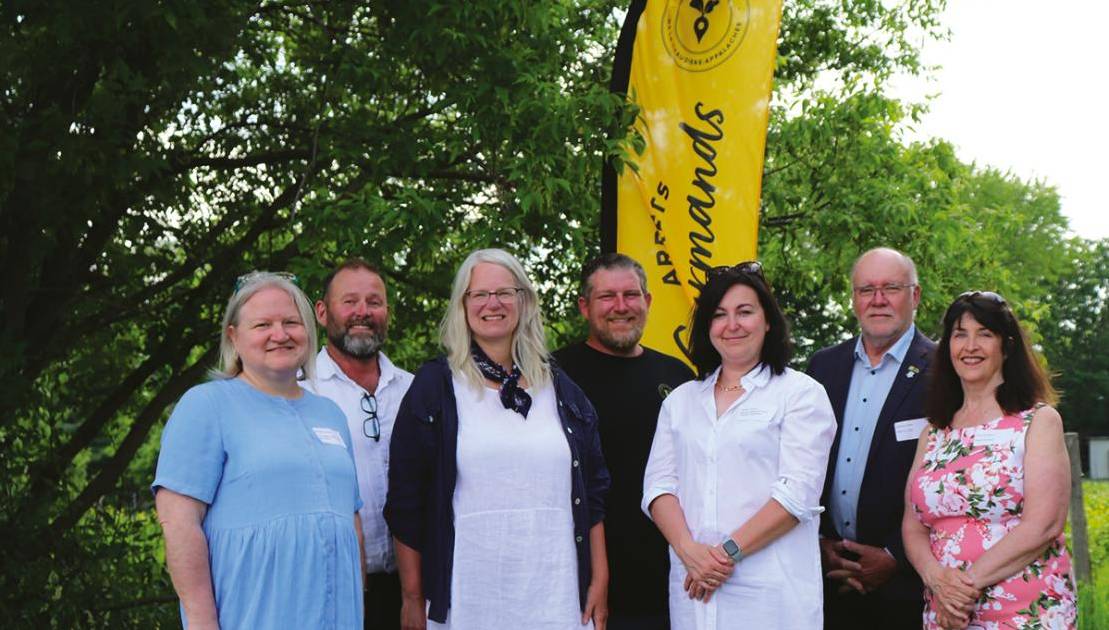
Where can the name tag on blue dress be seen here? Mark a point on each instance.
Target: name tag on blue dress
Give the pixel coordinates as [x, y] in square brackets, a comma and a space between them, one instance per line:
[329, 436]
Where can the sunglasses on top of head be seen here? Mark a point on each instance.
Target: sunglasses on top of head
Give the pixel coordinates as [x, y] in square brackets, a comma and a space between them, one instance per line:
[750, 267]
[988, 295]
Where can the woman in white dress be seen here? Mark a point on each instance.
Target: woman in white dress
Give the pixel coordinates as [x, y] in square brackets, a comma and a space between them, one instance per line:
[737, 467]
[496, 479]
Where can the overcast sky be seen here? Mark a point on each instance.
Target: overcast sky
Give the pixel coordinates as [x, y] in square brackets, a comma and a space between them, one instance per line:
[1023, 87]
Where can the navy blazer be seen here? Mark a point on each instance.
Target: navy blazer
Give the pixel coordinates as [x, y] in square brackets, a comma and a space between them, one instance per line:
[423, 471]
[882, 495]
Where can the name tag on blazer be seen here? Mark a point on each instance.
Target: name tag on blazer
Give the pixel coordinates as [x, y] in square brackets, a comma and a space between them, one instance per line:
[329, 436]
[909, 429]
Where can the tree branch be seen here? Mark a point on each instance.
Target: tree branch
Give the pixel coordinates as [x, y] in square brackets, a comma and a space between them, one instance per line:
[45, 474]
[35, 363]
[784, 219]
[778, 169]
[226, 163]
[468, 176]
[109, 474]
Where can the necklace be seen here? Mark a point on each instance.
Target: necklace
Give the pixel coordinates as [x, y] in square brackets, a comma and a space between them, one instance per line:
[729, 388]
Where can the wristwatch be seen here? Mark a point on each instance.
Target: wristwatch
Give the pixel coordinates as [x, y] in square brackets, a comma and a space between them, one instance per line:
[732, 549]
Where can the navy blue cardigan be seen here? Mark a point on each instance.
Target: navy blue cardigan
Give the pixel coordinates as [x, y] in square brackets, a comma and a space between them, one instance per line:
[423, 471]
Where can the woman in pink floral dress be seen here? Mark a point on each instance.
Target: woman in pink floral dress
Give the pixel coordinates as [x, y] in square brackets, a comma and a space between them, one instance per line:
[987, 499]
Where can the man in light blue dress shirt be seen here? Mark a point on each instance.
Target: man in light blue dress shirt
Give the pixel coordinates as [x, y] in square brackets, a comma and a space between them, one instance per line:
[876, 383]
[870, 384]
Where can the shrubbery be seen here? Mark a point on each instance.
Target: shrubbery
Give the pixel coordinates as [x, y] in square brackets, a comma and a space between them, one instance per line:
[1093, 600]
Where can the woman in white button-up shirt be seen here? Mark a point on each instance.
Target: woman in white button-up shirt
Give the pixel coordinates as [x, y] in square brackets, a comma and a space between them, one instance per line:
[737, 467]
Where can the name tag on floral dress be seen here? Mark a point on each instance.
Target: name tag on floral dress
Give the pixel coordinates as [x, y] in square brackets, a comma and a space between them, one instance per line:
[993, 437]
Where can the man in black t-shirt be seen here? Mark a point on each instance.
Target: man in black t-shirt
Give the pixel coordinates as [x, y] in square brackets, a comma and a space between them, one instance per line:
[626, 384]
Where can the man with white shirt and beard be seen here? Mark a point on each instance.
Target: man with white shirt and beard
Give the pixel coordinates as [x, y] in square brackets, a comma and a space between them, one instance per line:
[876, 383]
[353, 372]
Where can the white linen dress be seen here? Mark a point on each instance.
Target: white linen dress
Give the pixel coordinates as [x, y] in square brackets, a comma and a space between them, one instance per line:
[772, 443]
[515, 563]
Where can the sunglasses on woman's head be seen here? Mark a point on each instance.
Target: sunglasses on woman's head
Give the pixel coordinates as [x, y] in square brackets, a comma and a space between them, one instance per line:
[250, 275]
[750, 267]
[989, 295]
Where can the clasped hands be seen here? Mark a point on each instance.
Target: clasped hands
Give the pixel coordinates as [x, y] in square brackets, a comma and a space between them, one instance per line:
[862, 568]
[953, 596]
[706, 567]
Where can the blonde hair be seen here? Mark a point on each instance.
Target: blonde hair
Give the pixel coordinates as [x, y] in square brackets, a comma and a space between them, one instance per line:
[230, 364]
[529, 341]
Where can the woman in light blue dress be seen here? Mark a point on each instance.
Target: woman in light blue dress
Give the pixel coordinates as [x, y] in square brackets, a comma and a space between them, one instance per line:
[255, 487]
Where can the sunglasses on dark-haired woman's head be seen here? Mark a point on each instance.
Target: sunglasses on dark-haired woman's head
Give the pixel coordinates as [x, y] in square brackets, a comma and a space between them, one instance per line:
[988, 295]
[750, 267]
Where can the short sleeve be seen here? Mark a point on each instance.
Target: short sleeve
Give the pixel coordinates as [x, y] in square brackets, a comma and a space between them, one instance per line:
[192, 455]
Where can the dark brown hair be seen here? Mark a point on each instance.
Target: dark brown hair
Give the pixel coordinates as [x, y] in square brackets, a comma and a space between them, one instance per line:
[776, 346]
[1025, 382]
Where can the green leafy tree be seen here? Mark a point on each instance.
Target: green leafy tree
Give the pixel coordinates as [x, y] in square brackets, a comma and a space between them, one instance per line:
[1076, 337]
[154, 151]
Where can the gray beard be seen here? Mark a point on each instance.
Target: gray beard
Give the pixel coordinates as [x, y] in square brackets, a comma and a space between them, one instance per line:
[361, 346]
[619, 344]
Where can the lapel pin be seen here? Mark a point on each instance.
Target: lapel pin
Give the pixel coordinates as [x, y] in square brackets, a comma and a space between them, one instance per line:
[912, 371]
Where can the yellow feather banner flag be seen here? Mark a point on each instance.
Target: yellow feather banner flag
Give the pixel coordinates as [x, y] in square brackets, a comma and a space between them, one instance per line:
[700, 72]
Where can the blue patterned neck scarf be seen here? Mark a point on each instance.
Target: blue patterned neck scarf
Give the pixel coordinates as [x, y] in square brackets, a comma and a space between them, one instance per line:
[512, 395]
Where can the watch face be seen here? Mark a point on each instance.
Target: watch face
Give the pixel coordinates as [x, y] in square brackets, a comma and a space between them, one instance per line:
[731, 547]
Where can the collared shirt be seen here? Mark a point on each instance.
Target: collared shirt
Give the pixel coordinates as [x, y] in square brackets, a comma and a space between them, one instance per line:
[870, 384]
[371, 458]
[771, 443]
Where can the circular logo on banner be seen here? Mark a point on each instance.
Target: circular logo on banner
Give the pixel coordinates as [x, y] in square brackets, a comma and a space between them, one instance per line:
[702, 34]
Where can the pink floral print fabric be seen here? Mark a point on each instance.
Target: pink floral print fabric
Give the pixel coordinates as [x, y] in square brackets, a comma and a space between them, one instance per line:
[970, 493]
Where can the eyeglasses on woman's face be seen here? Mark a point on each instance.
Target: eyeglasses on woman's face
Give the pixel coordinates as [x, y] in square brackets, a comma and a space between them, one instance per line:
[504, 295]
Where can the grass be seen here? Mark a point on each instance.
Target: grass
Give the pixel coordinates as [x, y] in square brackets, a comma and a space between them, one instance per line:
[1093, 596]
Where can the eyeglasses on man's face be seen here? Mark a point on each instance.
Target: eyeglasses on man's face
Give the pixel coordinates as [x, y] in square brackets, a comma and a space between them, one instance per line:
[891, 290]
[371, 426]
[504, 296]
